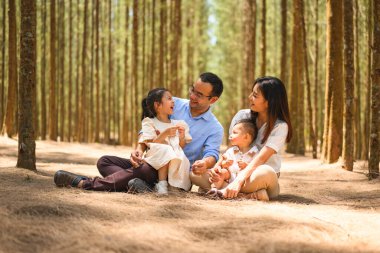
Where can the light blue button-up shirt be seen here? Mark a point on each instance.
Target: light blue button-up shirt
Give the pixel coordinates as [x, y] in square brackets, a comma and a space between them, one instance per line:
[205, 129]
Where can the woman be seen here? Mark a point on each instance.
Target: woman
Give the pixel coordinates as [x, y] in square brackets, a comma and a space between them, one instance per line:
[270, 112]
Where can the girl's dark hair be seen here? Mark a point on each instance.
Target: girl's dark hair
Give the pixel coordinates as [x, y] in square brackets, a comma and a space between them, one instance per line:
[154, 95]
[274, 92]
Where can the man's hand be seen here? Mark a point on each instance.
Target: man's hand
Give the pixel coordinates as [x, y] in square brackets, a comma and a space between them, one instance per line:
[199, 167]
[136, 158]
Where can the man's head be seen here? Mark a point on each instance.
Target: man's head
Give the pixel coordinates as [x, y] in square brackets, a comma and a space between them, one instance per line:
[205, 91]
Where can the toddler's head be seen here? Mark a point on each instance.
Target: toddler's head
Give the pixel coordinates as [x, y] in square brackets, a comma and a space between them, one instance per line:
[243, 133]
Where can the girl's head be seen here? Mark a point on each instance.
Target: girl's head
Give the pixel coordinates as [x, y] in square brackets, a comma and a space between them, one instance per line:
[158, 101]
[269, 96]
[243, 133]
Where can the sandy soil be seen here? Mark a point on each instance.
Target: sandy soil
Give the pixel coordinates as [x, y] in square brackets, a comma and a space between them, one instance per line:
[322, 208]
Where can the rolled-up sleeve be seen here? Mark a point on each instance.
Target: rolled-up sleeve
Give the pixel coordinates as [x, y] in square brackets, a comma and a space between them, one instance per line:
[212, 144]
[277, 137]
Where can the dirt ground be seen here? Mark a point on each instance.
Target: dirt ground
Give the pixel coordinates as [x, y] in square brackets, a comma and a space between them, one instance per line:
[321, 208]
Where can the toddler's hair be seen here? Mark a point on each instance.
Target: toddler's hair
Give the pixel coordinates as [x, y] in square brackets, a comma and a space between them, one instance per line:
[154, 95]
[249, 127]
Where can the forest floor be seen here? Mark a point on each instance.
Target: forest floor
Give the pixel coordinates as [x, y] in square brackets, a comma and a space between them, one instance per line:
[321, 208]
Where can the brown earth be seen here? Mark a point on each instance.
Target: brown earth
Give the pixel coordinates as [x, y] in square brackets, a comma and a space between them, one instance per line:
[322, 208]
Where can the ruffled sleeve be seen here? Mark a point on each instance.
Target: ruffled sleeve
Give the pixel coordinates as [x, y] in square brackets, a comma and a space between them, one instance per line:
[188, 137]
[148, 130]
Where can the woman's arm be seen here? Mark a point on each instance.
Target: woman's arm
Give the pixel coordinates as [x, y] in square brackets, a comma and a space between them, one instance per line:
[232, 190]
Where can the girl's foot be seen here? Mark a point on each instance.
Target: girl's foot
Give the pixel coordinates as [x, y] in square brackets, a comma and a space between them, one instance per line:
[162, 187]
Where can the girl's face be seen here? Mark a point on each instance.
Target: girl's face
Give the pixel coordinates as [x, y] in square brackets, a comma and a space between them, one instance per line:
[167, 104]
[257, 100]
[238, 136]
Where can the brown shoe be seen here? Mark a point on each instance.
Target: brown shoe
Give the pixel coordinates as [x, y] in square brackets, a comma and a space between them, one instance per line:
[64, 178]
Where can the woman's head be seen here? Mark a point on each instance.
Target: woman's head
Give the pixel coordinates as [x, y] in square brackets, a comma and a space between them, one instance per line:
[269, 96]
[159, 100]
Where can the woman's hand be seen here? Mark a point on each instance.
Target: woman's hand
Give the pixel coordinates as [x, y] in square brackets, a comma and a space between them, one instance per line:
[232, 190]
[242, 165]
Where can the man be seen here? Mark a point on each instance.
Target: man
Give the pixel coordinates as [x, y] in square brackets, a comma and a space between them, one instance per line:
[202, 152]
[205, 129]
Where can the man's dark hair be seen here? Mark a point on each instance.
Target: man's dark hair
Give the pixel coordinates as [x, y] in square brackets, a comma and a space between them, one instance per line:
[215, 81]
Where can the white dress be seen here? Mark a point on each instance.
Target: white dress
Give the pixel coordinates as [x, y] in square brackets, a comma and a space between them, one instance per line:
[234, 154]
[158, 155]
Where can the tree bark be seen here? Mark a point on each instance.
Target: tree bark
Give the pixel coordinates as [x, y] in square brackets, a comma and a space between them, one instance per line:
[53, 123]
[135, 41]
[297, 144]
[62, 82]
[126, 140]
[249, 9]
[2, 89]
[97, 69]
[70, 93]
[313, 137]
[26, 141]
[334, 81]
[357, 129]
[43, 73]
[374, 148]
[263, 39]
[348, 113]
[284, 57]
[9, 126]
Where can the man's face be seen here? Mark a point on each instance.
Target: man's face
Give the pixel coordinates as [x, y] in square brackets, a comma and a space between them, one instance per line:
[200, 96]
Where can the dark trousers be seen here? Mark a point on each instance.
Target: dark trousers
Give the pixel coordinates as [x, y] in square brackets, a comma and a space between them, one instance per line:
[117, 172]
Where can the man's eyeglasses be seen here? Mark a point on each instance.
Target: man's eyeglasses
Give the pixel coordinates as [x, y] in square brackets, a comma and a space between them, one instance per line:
[197, 94]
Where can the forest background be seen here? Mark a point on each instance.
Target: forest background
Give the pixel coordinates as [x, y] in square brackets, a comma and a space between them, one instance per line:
[95, 60]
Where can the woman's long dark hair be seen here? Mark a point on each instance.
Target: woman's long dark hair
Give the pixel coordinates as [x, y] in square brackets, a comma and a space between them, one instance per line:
[274, 92]
[154, 95]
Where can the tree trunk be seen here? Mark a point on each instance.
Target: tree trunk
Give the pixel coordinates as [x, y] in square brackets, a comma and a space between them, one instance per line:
[162, 43]
[316, 108]
[126, 140]
[110, 73]
[153, 47]
[334, 81]
[263, 39]
[26, 141]
[3, 41]
[297, 144]
[83, 104]
[77, 90]
[43, 73]
[175, 50]
[70, 93]
[9, 126]
[249, 8]
[374, 148]
[135, 41]
[97, 117]
[348, 114]
[62, 70]
[313, 136]
[284, 57]
[53, 124]
[367, 117]
[357, 129]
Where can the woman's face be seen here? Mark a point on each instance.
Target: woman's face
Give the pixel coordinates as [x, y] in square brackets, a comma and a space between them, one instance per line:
[257, 100]
[167, 104]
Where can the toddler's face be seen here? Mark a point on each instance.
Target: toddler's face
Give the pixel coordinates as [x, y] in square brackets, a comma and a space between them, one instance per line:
[238, 136]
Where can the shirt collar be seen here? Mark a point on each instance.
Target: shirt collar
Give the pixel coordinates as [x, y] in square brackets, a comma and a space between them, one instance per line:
[207, 115]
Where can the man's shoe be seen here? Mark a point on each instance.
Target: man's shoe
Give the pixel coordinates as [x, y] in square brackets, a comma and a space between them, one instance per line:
[64, 178]
[138, 185]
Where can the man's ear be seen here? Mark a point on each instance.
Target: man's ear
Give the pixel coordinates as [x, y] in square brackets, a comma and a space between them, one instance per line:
[213, 100]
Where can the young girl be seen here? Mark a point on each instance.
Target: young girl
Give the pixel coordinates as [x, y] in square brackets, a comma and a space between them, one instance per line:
[235, 158]
[165, 138]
